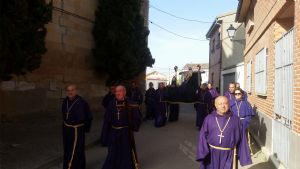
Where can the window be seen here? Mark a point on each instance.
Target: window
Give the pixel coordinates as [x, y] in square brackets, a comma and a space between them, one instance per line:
[212, 46]
[218, 42]
[261, 72]
[248, 77]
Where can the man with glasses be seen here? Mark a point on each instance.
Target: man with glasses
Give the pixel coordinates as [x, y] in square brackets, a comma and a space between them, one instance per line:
[77, 120]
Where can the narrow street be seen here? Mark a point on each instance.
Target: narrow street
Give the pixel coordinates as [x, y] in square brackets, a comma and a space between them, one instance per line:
[172, 146]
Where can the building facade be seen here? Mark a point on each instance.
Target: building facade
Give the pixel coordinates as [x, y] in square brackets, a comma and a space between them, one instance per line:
[226, 54]
[156, 78]
[214, 54]
[272, 73]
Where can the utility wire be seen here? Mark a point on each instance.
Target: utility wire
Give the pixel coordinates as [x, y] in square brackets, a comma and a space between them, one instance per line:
[185, 37]
[178, 17]
[182, 18]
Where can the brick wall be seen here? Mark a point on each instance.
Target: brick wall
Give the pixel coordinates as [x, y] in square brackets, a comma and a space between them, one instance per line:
[265, 33]
[296, 121]
[264, 104]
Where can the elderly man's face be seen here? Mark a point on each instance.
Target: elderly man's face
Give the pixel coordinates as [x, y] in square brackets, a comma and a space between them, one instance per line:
[222, 104]
[231, 87]
[71, 91]
[120, 93]
[209, 86]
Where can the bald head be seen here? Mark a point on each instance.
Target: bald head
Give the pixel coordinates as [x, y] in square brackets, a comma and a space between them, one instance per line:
[222, 105]
[120, 92]
[209, 85]
[71, 90]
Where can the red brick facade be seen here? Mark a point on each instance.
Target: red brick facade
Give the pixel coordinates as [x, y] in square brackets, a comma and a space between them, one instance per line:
[296, 121]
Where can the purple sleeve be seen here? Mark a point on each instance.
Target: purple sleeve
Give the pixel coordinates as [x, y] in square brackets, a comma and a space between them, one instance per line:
[202, 147]
[250, 110]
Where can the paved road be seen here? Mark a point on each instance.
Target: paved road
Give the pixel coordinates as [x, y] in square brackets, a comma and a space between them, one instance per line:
[172, 146]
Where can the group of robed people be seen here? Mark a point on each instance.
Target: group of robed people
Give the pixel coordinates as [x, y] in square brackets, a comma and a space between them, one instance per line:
[123, 116]
[157, 106]
[223, 122]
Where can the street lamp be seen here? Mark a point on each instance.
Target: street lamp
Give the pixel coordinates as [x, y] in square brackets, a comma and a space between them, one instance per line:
[231, 31]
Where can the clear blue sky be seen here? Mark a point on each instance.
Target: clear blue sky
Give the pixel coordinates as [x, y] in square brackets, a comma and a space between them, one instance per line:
[169, 50]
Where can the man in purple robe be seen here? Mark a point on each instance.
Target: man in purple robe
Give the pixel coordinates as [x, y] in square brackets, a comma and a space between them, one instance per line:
[105, 102]
[109, 96]
[173, 107]
[214, 93]
[150, 101]
[221, 142]
[161, 106]
[135, 94]
[203, 105]
[230, 93]
[123, 118]
[77, 119]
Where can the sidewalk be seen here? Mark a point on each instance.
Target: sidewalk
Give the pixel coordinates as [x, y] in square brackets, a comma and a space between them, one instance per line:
[259, 159]
[35, 141]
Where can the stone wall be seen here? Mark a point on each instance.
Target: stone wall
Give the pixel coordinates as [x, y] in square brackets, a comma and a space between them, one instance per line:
[68, 60]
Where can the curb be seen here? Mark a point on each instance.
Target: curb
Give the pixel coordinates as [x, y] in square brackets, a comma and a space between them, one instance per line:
[58, 160]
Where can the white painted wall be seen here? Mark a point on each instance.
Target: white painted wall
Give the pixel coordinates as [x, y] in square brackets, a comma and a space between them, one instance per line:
[155, 83]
